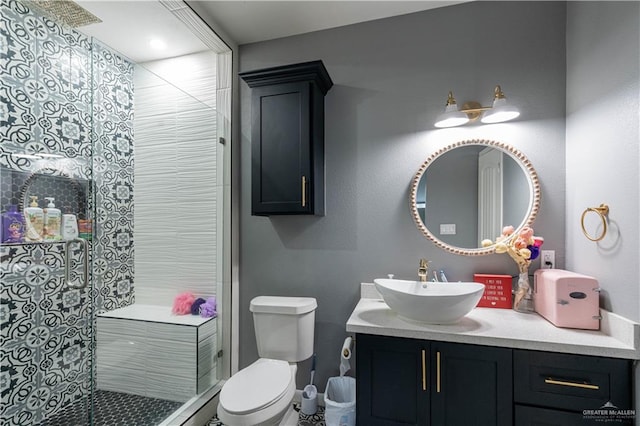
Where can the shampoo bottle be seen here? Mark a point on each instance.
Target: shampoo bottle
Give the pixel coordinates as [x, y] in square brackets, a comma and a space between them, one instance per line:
[34, 221]
[52, 217]
[12, 226]
[69, 227]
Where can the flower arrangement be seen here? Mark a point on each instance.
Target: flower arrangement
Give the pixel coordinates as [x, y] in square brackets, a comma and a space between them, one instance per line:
[523, 247]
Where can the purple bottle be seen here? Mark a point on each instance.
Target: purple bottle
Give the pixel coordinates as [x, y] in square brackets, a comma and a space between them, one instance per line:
[12, 225]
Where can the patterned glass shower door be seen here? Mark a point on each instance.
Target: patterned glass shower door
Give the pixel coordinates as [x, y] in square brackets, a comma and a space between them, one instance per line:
[49, 124]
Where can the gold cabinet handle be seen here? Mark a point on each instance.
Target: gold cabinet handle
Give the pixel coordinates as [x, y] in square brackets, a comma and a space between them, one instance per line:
[438, 372]
[551, 381]
[424, 370]
[304, 191]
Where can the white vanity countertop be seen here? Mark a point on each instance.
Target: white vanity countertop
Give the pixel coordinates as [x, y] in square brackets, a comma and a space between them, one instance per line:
[617, 338]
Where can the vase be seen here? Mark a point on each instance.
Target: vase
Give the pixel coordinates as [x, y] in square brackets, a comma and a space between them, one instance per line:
[522, 301]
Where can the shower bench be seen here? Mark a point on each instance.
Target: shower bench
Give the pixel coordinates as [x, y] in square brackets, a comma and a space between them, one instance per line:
[146, 350]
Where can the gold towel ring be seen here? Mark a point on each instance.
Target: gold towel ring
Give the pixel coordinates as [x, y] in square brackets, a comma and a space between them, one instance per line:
[601, 211]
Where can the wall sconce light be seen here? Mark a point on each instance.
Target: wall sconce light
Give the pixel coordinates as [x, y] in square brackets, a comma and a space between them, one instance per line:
[499, 112]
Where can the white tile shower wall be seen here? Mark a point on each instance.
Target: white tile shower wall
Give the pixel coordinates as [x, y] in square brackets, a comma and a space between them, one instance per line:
[176, 179]
[156, 359]
[194, 74]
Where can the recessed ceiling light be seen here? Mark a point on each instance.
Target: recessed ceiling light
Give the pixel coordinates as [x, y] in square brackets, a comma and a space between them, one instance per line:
[157, 44]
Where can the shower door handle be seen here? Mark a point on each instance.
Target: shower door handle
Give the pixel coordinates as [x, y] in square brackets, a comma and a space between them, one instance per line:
[85, 263]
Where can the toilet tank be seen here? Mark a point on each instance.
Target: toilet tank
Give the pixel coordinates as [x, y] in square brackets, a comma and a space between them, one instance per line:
[284, 326]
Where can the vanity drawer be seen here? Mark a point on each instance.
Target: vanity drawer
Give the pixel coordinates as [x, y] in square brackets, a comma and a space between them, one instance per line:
[570, 382]
[535, 416]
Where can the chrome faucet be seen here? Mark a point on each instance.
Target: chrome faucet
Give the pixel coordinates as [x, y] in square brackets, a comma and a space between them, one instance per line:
[423, 270]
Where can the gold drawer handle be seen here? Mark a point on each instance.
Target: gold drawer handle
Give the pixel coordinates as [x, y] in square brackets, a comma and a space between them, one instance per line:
[571, 384]
[438, 371]
[424, 371]
[304, 191]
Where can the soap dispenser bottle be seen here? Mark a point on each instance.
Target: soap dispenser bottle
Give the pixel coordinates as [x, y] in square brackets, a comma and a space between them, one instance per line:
[34, 220]
[52, 217]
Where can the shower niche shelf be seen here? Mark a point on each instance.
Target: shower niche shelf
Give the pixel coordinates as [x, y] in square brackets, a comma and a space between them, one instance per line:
[71, 193]
[287, 138]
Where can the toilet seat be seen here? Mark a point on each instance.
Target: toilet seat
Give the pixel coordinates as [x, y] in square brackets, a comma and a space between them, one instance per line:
[256, 387]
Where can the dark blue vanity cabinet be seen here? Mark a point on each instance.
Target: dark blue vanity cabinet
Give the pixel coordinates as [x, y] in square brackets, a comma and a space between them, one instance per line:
[391, 381]
[287, 138]
[420, 382]
[555, 389]
[474, 385]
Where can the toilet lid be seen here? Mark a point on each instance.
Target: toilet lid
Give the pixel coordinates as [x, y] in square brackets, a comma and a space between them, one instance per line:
[256, 386]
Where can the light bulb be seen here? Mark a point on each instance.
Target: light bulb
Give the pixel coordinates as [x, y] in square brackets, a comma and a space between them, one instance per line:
[451, 117]
[500, 112]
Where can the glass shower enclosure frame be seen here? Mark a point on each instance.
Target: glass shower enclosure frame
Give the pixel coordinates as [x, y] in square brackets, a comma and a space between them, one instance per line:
[67, 132]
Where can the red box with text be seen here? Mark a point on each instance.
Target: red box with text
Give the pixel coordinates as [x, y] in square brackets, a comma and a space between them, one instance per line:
[497, 290]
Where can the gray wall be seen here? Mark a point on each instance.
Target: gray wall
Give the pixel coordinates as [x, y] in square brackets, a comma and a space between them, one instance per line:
[603, 157]
[603, 130]
[391, 81]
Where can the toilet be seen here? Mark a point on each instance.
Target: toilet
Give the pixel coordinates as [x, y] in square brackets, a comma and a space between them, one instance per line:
[262, 393]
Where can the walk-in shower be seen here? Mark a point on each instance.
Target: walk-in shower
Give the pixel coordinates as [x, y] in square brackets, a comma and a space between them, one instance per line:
[130, 145]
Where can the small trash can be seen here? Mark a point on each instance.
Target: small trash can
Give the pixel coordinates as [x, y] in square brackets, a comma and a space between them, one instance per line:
[340, 401]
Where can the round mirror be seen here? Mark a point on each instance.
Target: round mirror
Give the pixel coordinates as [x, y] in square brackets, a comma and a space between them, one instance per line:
[468, 191]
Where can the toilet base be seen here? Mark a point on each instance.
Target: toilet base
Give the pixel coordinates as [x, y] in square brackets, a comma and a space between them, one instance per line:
[290, 417]
[274, 416]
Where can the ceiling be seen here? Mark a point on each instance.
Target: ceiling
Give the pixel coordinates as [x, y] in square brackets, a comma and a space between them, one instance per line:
[253, 21]
[129, 26]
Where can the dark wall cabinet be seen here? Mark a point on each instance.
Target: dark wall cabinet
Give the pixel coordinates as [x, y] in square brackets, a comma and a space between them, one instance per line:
[420, 382]
[287, 138]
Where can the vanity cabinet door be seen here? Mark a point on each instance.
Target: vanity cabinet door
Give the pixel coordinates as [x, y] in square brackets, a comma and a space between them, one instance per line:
[391, 381]
[472, 385]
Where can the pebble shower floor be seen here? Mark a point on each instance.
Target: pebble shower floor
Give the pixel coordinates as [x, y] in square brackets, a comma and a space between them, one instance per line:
[115, 409]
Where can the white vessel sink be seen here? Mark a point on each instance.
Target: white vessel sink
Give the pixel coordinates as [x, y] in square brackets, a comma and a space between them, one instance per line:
[430, 302]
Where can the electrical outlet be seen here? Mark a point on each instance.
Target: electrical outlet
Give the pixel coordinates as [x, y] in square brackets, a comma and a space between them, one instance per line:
[447, 229]
[547, 259]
